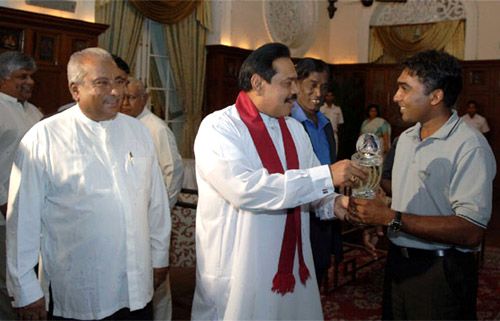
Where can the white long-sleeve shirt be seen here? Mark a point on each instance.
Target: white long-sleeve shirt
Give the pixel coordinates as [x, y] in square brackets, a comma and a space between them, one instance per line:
[15, 120]
[240, 220]
[90, 197]
[334, 114]
[166, 149]
[478, 122]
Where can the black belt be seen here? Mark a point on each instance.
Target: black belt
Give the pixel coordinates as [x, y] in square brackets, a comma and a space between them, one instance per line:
[409, 252]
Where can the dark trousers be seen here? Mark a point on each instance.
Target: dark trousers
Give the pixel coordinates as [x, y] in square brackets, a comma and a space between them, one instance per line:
[427, 287]
[326, 239]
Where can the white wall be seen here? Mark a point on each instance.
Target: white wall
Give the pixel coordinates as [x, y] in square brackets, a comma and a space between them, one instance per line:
[345, 38]
[488, 30]
[84, 9]
[349, 32]
[240, 23]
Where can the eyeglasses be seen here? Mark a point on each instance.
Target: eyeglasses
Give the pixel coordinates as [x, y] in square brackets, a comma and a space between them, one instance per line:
[106, 82]
[132, 97]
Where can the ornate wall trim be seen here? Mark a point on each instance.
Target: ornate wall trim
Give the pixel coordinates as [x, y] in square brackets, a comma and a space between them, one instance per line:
[293, 23]
[417, 12]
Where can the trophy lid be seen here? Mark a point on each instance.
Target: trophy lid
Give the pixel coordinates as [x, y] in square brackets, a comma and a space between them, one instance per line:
[369, 145]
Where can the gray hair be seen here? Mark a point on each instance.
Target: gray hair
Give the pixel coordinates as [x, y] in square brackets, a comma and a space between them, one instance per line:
[76, 64]
[11, 61]
[138, 83]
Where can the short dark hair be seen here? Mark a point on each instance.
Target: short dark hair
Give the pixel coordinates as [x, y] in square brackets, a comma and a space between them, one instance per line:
[370, 106]
[472, 101]
[437, 70]
[260, 62]
[121, 64]
[307, 66]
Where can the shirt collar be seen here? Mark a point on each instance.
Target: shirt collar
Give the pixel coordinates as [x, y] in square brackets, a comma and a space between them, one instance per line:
[300, 115]
[92, 123]
[442, 133]
[143, 113]
[11, 99]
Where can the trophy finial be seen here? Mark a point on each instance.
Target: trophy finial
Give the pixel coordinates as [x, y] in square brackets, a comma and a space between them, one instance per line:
[369, 145]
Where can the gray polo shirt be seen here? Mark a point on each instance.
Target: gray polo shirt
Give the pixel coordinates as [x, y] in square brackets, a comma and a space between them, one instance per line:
[448, 173]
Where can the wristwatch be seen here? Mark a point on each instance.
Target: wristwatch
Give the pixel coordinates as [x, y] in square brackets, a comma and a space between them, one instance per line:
[396, 223]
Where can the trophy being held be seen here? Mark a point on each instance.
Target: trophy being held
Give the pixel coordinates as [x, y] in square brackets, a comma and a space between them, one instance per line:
[369, 151]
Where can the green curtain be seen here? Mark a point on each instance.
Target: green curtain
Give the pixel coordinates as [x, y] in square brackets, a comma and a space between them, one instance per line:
[391, 44]
[125, 28]
[186, 48]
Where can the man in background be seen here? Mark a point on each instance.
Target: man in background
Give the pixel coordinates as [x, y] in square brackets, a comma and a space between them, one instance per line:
[334, 114]
[474, 119]
[170, 161]
[134, 104]
[87, 194]
[312, 78]
[17, 115]
[442, 182]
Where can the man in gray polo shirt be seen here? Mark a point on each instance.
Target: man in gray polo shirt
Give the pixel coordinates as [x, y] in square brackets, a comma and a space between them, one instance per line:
[442, 194]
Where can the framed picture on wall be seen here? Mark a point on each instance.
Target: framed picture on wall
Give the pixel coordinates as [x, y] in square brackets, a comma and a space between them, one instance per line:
[46, 48]
[11, 39]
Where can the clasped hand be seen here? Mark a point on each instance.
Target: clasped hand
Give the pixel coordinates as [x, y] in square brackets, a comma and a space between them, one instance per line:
[370, 212]
[347, 173]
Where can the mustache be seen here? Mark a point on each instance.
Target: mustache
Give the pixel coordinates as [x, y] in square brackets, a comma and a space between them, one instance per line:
[291, 99]
[111, 100]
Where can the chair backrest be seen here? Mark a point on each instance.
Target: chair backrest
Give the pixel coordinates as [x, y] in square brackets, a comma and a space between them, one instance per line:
[182, 242]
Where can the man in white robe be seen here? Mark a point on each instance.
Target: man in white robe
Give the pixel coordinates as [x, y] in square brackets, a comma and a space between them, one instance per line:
[170, 161]
[242, 208]
[87, 194]
[17, 116]
[134, 104]
[474, 119]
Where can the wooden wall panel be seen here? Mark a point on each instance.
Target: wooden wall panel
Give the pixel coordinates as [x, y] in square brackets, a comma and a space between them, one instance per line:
[221, 79]
[50, 41]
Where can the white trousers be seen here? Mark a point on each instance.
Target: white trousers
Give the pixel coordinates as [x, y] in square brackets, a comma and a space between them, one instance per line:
[6, 311]
[162, 301]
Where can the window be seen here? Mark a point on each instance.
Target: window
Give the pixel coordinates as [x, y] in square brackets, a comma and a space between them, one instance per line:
[153, 68]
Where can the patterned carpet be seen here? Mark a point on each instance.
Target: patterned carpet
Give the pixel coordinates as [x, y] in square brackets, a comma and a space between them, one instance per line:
[361, 299]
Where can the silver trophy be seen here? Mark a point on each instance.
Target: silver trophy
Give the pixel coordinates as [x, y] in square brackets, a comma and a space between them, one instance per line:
[369, 154]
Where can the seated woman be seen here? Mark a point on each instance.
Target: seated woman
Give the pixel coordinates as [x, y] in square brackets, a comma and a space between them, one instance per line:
[378, 126]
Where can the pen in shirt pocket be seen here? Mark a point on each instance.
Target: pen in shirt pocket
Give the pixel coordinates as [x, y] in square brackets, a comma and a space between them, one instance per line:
[131, 158]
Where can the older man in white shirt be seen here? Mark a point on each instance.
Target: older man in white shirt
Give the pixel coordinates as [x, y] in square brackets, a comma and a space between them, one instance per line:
[134, 104]
[170, 161]
[86, 192]
[17, 115]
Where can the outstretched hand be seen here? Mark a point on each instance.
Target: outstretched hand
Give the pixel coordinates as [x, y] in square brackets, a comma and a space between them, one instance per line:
[346, 173]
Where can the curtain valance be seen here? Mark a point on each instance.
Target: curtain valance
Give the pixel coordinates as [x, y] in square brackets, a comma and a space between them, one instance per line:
[165, 11]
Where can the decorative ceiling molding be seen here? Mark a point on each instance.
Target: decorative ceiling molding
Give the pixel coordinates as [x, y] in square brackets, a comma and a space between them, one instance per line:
[417, 12]
[293, 23]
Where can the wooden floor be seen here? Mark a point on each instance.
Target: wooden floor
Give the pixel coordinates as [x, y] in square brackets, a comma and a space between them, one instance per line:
[183, 279]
